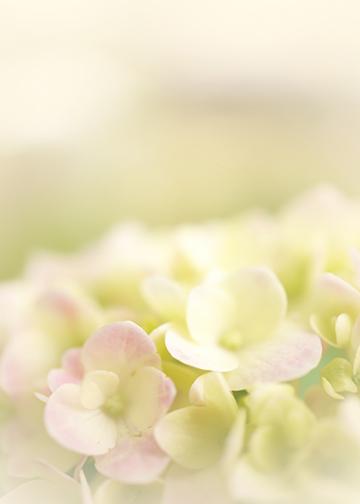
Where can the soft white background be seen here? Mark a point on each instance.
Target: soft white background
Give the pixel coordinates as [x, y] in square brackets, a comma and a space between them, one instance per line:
[169, 110]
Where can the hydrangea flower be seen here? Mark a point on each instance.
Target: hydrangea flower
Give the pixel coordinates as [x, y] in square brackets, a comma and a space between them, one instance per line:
[185, 403]
[237, 325]
[106, 400]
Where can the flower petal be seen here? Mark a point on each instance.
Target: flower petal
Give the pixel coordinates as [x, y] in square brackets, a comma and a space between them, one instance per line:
[149, 395]
[71, 371]
[210, 313]
[333, 297]
[75, 427]
[183, 377]
[290, 355]
[210, 358]
[211, 389]
[337, 377]
[96, 387]
[135, 460]
[260, 302]
[193, 436]
[120, 347]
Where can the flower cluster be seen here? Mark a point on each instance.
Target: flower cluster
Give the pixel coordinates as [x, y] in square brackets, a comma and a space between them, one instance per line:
[214, 363]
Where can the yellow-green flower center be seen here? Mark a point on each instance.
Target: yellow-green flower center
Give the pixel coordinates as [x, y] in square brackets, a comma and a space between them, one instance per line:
[232, 340]
[114, 406]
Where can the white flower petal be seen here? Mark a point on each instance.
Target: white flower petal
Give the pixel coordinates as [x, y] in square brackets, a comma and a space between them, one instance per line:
[210, 313]
[261, 302]
[210, 358]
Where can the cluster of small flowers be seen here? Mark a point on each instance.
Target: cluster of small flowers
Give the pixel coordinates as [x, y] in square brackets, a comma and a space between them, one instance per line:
[214, 363]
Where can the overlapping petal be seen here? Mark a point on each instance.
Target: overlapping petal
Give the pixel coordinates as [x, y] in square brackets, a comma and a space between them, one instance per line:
[149, 396]
[194, 436]
[288, 356]
[209, 357]
[121, 348]
[75, 427]
[135, 460]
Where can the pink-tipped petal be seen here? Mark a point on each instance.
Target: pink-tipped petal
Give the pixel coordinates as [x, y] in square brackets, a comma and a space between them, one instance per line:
[58, 377]
[134, 460]
[71, 372]
[289, 356]
[79, 429]
[120, 347]
[209, 358]
[71, 361]
[149, 395]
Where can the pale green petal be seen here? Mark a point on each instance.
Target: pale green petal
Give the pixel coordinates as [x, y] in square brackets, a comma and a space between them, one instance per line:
[183, 377]
[343, 329]
[211, 389]
[193, 436]
[235, 440]
[267, 449]
[337, 378]
[333, 297]
[276, 405]
[158, 337]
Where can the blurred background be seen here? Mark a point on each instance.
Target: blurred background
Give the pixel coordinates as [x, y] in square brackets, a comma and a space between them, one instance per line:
[169, 111]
